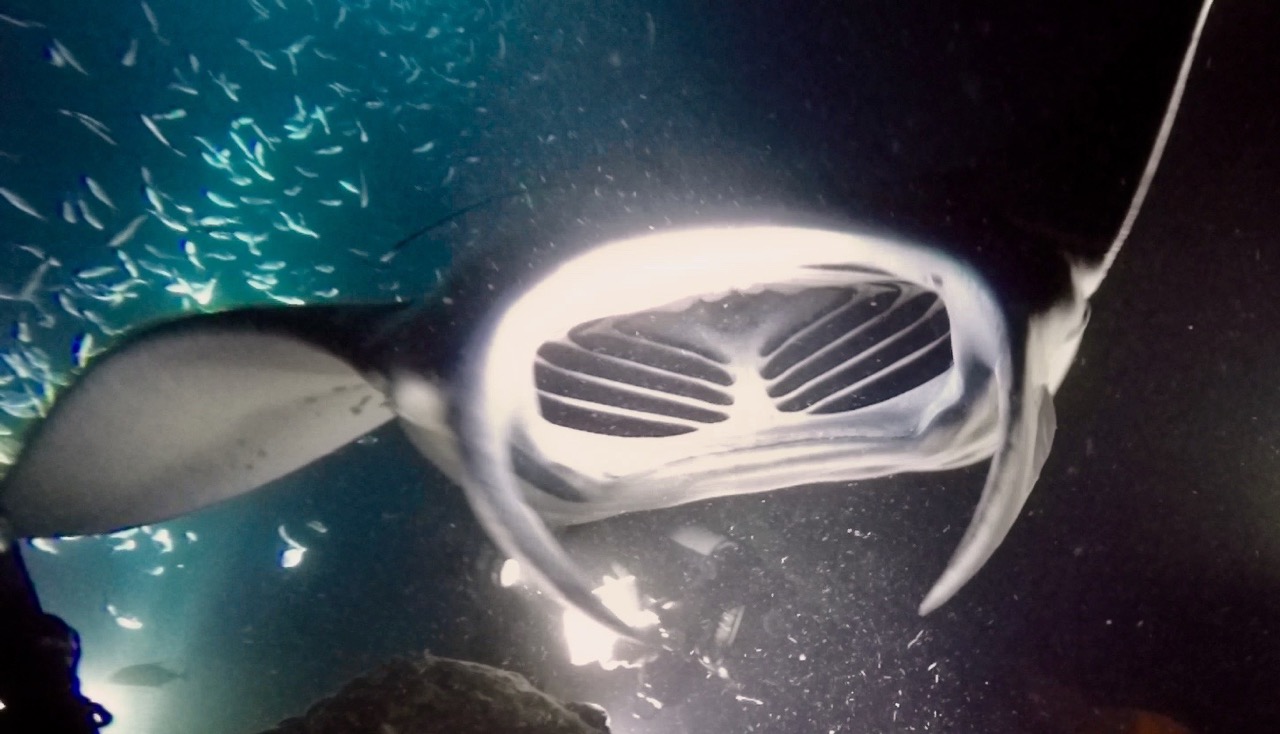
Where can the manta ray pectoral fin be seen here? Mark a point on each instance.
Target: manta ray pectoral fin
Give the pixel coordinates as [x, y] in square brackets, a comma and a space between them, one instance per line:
[1014, 470]
[185, 415]
[1049, 351]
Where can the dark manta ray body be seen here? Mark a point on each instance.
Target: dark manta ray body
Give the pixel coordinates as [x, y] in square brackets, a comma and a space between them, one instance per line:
[615, 348]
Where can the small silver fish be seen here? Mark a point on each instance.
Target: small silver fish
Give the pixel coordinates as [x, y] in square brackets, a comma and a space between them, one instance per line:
[155, 130]
[216, 221]
[87, 214]
[128, 232]
[155, 24]
[318, 114]
[249, 238]
[98, 192]
[130, 266]
[243, 146]
[95, 272]
[193, 255]
[220, 200]
[262, 172]
[287, 300]
[153, 196]
[130, 57]
[20, 203]
[94, 126]
[230, 88]
[299, 132]
[265, 60]
[82, 349]
[171, 223]
[68, 305]
[300, 226]
[21, 23]
[68, 57]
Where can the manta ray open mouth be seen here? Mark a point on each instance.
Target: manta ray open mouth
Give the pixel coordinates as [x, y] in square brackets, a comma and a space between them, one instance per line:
[682, 365]
[744, 360]
[747, 390]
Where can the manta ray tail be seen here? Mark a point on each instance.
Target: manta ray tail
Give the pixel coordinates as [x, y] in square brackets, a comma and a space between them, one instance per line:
[1089, 276]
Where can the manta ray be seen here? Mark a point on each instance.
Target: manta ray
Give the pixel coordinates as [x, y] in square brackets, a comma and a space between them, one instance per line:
[665, 355]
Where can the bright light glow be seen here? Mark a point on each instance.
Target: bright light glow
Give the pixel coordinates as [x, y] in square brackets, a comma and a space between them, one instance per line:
[509, 574]
[591, 642]
[291, 557]
[132, 706]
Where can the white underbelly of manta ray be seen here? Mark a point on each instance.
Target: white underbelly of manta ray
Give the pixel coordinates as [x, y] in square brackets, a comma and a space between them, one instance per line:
[776, 357]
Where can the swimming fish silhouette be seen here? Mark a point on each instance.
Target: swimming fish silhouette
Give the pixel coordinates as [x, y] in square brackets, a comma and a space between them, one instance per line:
[146, 675]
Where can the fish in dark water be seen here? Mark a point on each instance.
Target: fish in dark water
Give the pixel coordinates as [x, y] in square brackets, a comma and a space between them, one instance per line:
[598, 357]
[146, 675]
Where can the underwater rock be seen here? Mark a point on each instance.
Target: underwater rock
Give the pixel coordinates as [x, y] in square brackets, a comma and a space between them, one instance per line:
[431, 694]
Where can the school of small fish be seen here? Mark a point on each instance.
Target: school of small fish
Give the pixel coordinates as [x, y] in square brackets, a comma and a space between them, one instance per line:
[157, 541]
[237, 169]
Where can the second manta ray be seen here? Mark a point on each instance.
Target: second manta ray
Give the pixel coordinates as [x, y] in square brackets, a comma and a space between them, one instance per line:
[634, 363]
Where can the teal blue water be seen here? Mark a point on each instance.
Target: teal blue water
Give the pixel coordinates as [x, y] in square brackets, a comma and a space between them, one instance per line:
[333, 134]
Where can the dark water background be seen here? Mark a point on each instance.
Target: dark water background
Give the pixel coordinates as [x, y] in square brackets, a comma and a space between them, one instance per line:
[1145, 572]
